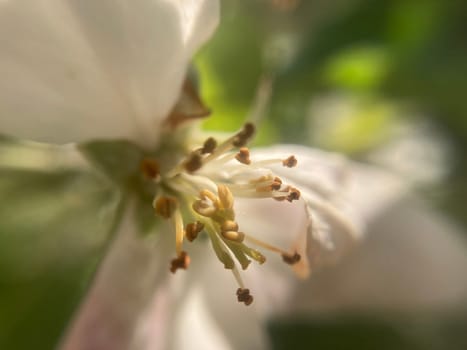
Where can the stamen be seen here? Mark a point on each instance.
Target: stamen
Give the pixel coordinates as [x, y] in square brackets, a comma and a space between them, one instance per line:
[204, 208]
[240, 139]
[209, 146]
[229, 230]
[233, 236]
[265, 245]
[180, 262]
[193, 229]
[291, 259]
[150, 168]
[241, 256]
[226, 198]
[244, 296]
[219, 248]
[290, 162]
[165, 206]
[193, 162]
[179, 233]
[294, 194]
[243, 156]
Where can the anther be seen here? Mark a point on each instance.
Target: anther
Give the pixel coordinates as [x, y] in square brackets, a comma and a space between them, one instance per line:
[290, 162]
[226, 198]
[180, 262]
[229, 225]
[244, 296]
[193, 229]
[150, 168]
[204, 208]
[165, 206]
[243, 156]
[242, 138]
[293, 195]
[194, 162]
[233, 236]
[291, 259]
[276, 184]
[209, 146]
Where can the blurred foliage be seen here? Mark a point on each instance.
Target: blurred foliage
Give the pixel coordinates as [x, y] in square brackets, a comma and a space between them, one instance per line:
[399, 61]
[54, 228]
[377, 63]
[366, 332]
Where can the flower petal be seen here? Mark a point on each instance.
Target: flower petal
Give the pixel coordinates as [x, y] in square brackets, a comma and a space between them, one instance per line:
[212, 298]
[128, 285]
[77, 70]
[413, 259]
[340, 197]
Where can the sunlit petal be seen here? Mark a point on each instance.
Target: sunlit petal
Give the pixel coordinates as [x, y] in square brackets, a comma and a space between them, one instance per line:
[77, 70]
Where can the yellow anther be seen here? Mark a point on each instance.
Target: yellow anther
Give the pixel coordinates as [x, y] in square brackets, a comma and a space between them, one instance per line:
[206, 194]
[229, 225]
[233, 236]
[225, 197]
[165, 206]
[204, 208]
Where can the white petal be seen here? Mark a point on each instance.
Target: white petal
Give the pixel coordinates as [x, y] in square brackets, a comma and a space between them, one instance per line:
[196, 329]
[131, 276]
[413, 259]
[212, 298]
[341, 197]
[82, 69]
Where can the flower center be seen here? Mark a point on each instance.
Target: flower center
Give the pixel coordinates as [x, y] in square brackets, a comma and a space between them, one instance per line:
[198, 196]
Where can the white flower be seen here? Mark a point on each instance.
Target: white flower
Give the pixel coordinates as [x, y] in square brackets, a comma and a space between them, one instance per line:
[76, 71]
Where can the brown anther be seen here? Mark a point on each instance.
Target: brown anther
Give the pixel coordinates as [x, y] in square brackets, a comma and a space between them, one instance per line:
[248, 130]
[243, 156]
[229, 225]
[291, 259]
[193, 229]
[209, 146]
[150, 168]
[244, 296]
[242, 137]
[234, 236]
[180, 262]
[290, 162]
[293, 195]
[277, 183]
[165, 206]
[193, 162]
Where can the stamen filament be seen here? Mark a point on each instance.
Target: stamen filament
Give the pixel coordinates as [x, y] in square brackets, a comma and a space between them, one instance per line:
[238, 278]
[265, 245]
[179, 232]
